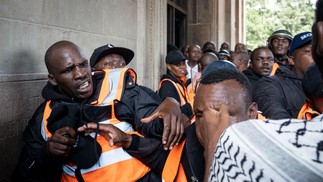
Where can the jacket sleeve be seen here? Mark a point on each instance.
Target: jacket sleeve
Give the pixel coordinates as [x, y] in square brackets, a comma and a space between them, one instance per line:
[270, 99]
[149, 151]
[136, 103]
[34, 164]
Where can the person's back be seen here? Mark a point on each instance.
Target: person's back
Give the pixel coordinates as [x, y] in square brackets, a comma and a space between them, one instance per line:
[281, 96]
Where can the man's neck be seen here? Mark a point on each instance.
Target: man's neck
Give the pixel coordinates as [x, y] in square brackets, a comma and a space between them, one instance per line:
[192, 63]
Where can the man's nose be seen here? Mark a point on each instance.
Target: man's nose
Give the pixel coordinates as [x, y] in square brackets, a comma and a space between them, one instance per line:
[79, 72]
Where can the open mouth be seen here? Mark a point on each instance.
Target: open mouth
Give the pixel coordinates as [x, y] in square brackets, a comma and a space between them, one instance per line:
[84, 87]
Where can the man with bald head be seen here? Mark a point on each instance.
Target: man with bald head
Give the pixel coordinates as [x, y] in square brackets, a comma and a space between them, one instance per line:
[206, 59]
[53, 149]
[241, 60]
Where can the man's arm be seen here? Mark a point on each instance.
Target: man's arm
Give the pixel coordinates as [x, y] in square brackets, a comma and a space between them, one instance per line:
[148, 150]
[41, 160]
[34, 163]
[165, 119]
[270, 99]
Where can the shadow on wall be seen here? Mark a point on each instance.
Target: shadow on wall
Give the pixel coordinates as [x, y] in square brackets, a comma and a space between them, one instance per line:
[21, 62]
[20, 94]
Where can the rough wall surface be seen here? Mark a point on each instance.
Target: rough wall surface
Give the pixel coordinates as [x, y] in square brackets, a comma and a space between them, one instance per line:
[27, 29]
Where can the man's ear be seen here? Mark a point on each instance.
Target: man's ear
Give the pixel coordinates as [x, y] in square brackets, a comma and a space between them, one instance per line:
[250, 65]
[51, 79]
[169, 67]
[291, 60]
[253, 110]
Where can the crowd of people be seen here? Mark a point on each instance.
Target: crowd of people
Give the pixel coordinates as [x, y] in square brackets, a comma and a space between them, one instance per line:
[217, 115]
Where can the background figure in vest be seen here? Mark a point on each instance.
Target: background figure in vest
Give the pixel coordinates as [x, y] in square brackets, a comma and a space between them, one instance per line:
[224, 87]
[313, 89]
[261, 63]
[114, 57]
[282, 96]
[279, 43]
[171, 84]
[51, 140]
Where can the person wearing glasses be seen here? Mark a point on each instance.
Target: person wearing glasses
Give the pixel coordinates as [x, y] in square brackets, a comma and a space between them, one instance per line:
[281, 96]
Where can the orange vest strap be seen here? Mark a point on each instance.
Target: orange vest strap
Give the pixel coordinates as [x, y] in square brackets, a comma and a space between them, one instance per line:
[306, 112]
[181, 177]
[274, 69]
[172, 164]
[47, 112]
[261, 117]
[182, 92]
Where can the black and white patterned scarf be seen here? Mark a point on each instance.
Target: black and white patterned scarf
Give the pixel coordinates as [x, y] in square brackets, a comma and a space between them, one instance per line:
[270, 150]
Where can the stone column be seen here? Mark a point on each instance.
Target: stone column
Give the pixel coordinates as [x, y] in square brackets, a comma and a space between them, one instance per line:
[152, 32]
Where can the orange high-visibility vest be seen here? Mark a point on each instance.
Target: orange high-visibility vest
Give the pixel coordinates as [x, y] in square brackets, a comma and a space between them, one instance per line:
[260, 116]
[114, 164]
[173, 169]
[182, 92]
[307, 113]
[274, 69]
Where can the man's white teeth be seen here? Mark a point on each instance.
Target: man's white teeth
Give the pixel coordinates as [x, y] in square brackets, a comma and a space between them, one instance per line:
[84, 85]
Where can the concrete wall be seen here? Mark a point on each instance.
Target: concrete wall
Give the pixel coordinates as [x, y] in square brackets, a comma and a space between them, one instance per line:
[28, 28]
[216, 20]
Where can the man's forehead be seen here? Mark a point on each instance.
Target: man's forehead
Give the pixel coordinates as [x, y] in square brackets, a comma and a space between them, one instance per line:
[280, 38]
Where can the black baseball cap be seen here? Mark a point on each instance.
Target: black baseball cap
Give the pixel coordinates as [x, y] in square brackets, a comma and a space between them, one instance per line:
[102, 51]
[175, 57]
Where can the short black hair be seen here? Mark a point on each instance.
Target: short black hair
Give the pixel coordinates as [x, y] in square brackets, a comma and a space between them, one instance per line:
[252, 56]
[223, 74]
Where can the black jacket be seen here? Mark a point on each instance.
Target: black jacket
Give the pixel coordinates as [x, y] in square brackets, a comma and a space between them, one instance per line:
[36, 165]
[150, 152]
[253, 79]
[167, 89]
[280, 96]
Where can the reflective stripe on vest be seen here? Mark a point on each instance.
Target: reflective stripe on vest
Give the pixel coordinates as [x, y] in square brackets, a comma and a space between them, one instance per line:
[180, 90]
[173, 170]
[307, 113]
[114, 163]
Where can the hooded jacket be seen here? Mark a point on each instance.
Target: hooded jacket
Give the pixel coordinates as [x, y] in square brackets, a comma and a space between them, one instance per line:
[253, 79]
[280, 96]
[36, 165]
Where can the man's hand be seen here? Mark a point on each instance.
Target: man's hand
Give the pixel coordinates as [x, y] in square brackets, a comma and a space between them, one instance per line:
[61, 143]
[174, 121]
[111, 133]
